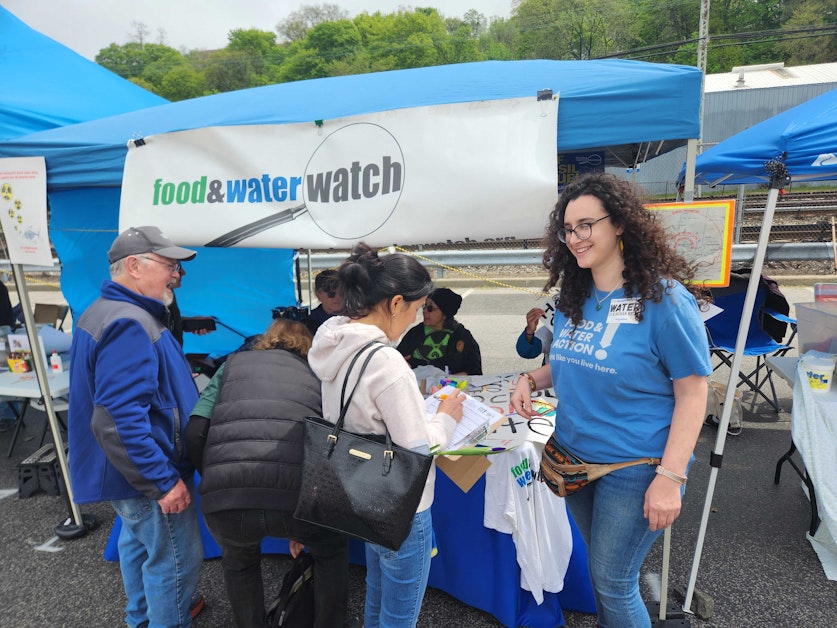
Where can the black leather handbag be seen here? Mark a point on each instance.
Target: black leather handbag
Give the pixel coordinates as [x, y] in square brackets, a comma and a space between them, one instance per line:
[361, 485]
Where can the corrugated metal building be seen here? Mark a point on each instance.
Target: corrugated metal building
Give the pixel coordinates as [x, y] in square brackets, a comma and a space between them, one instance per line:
[734, 101]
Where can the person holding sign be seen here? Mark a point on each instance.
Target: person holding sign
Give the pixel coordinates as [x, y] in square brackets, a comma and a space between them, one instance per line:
[629, 365]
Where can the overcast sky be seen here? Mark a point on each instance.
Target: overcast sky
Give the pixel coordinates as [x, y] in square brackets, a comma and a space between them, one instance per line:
[87, 26]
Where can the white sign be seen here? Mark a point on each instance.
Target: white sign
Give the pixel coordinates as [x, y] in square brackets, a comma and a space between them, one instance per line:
[477, 171]
[23, 210]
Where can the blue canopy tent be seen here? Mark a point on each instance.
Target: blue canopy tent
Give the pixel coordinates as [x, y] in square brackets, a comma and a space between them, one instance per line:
[622, 108]
[617, 106]
[799, 144]
[49, 86]
[807, 134]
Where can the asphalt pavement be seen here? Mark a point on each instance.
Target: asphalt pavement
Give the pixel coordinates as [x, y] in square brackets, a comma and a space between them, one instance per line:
[757, 567]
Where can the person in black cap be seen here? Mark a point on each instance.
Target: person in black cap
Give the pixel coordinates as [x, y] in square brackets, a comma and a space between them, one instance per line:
[440, 340]
[131, 393]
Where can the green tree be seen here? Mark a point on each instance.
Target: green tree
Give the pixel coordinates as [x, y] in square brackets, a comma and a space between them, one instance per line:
[574, 29]
[463, 47]
[476, 21]
[134, 60]
[128, 60]
[227, 71]
[798, 49]
[182, 83]
[499, 41]
[264, 54]
[296, 26]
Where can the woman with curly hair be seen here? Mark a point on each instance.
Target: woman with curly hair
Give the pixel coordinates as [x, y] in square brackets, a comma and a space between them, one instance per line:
[629, 363]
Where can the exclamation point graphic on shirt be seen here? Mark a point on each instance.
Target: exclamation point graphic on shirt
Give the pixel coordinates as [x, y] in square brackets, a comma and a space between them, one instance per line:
[607, 338]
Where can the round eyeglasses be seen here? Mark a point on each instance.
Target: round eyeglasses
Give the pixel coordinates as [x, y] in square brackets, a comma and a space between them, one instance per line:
[582, 231]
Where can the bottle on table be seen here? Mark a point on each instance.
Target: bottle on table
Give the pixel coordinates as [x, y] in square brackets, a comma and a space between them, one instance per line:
[55, 362]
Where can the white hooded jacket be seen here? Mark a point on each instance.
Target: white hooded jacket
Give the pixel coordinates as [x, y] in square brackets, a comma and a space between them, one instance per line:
[386, 395]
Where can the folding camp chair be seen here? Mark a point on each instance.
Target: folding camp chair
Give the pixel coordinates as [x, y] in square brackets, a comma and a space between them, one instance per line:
[51, 314]
[722, 330]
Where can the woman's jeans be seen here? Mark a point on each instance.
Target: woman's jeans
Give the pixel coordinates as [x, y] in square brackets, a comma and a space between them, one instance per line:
[395, 581]
[609, 515]
[160, 557]
[240, 533]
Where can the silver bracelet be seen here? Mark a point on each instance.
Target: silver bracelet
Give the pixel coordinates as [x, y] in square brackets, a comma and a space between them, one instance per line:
[680, 479]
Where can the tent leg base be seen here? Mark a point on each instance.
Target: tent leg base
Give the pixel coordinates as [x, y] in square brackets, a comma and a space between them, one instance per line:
[68, 530]
[702, 604]
[674, 615]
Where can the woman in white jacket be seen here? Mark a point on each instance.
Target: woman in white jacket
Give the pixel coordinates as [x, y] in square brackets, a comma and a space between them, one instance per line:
[382, 297]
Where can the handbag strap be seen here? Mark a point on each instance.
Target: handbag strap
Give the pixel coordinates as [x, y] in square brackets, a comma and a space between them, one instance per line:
[345, 402]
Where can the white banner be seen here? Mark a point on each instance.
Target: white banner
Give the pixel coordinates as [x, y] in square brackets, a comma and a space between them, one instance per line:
[23, 210]
[472, 171]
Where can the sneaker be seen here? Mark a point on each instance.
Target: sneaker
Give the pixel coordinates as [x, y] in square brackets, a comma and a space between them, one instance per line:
[197, 604]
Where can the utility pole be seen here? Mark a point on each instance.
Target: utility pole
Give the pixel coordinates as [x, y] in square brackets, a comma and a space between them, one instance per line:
[702, 48]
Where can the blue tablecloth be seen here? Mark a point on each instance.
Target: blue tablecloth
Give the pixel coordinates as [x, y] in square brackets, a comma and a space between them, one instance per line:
[475, 565]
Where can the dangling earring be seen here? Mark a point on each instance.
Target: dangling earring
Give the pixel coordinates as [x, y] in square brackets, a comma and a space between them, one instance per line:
[621, 245]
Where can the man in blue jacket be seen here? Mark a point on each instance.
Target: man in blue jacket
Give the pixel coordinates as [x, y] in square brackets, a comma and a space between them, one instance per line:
[131, 393]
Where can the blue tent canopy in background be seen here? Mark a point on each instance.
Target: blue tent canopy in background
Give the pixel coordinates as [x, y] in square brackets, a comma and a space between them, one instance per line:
[47, 85]
[51, 86]
[807, 133]
[611, 105]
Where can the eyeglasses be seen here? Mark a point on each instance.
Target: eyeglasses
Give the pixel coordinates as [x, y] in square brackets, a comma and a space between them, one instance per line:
[173, 268]
[582, 231]
[430, 307]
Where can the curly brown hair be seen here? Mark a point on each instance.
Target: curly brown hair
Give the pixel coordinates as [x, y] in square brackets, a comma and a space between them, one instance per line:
[285, 334]
[648, 256]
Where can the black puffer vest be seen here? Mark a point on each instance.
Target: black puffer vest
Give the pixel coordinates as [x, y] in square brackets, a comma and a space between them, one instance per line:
[253, 453]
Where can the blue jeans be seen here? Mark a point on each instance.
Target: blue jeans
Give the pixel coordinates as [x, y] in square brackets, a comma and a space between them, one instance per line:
[395, 581]
[160, 557]
[608, 513]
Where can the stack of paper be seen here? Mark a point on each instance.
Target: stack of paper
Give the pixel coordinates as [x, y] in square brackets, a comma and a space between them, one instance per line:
[476, 422]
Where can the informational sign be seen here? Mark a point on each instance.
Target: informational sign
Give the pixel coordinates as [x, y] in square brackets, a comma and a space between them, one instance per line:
[573, 165]
[701, 232]
[477, 170]
[23, 210]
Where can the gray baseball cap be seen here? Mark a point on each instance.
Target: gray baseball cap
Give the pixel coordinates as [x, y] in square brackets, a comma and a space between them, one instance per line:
[138, 240]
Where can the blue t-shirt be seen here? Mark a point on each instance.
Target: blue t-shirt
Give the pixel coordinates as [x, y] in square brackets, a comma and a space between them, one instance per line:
[613, 377]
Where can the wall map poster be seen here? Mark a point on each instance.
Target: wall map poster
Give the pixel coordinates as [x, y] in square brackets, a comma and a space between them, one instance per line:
[701, 231]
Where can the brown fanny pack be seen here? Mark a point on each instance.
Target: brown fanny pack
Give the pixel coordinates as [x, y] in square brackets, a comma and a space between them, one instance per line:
[565, 473]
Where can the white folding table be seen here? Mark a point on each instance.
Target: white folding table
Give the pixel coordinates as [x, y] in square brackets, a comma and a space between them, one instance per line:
[25, 386]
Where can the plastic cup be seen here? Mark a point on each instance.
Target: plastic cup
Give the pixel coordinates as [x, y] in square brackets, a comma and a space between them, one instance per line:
[820, 372]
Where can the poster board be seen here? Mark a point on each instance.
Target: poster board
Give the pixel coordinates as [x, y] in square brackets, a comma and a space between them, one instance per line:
[23, 210]
[701, 231]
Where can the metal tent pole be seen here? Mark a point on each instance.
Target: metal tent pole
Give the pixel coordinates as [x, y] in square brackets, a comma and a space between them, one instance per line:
[41, 374]
[778, 179]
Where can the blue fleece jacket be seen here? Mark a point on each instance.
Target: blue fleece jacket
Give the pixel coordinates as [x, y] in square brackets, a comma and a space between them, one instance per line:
[131, 392]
